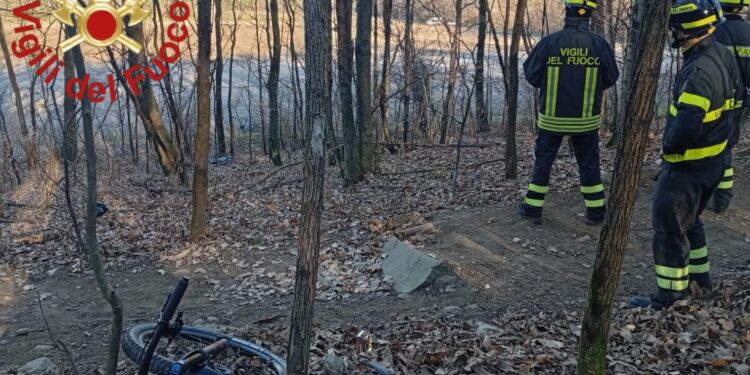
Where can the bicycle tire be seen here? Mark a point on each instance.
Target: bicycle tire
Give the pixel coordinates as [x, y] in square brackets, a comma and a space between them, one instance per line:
[134, 342]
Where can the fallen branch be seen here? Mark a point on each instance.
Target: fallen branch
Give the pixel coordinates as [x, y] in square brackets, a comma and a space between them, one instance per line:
[419, 229]
[442, 168]
[58, 344]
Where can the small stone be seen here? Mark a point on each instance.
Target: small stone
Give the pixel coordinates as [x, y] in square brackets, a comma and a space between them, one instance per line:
[200, 270]
[451, 310]
[444, 282]
[516, 240]
[450, 289]
[43, 348]
[212, 319]
[39, 366]
[23, 331]
[333, 364]
[473, 306]
[486, 329]
[199, 322]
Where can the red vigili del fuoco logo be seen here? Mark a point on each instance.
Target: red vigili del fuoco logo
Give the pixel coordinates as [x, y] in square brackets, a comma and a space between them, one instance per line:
[100, 24]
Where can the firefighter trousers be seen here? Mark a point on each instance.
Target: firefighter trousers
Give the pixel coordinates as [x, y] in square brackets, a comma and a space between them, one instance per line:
[679, 244]
[586, 149]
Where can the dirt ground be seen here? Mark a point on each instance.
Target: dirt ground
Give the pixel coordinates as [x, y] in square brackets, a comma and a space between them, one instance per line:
[504, 264]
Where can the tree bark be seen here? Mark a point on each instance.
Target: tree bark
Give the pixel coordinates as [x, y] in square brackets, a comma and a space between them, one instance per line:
[219, 71]
[318, 113]
[447, 116]
[92, 243]
[273, 86]
[511, 155]
[386, 72]
[70, 126]
[613, 242]
[408, 68]
[29, 144]
[482, 122]
[230, 104]
[344, 55]
[199, 221]
[363, 53]
[168, 154]
[260, 81]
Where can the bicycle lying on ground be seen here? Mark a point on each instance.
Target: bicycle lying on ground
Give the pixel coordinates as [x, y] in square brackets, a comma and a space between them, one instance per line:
[205, 352]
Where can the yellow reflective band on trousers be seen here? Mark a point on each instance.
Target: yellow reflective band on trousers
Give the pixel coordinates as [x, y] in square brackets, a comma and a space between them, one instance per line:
[594, 203]
[726, 185]
[699, 268]
[672, 272]
[699, 23]
[592, 189]
[553, 74]
[699, 253]
[538, 189]
[677, 285]
[729, 172]
[534, 202]
[588, 3]
[589, 91]
[697, 153]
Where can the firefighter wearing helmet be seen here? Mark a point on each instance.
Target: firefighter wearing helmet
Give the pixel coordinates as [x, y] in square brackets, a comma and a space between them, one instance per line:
[735, 34]
[571, 68]
[696, 138]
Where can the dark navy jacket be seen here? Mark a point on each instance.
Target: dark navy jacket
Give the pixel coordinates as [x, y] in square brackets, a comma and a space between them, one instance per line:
[735, 34]
[699, 122]
[572, 68]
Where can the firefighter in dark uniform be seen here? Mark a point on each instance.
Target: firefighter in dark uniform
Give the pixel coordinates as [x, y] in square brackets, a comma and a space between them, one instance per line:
[694, 145]
[735, 34]
[572, 68]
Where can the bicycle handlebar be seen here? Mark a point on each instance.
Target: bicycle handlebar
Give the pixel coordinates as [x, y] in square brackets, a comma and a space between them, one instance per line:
[167, 312]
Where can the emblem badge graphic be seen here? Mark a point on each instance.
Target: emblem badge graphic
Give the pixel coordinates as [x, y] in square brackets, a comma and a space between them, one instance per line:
[101, 24]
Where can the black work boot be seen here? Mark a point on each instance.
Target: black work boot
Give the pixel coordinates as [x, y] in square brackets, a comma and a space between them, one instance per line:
[595, 216]
[657, 301]
[532, 214]
[703, 281]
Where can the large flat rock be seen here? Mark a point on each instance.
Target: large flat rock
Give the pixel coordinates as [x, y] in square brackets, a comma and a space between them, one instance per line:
[409, 268]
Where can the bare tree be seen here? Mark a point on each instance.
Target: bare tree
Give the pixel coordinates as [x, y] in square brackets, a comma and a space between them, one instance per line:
[318, 113]
[199, 221]
[230, 104]
[363, 53]
[511, 98]
[479, 62]
[29, 143]
[352, 167]
[92, 243]
[273, 86]
[408, 67]
[70, 126]
[386, 72]
[447, 116]
[649, 20]
[219, 72]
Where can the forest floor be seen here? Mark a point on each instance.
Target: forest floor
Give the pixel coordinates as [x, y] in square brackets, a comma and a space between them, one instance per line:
[515, 306]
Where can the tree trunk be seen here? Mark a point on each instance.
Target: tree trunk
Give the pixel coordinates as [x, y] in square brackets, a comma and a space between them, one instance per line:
[363, 53]
[408, 68]
[167, 153]
[230, 104]
[626, 79]
[386, 73]
[70, 127]
[613, 242]
[273, 87]
[29, 144]
[218, 105]
[511, 156]
[92, 243]
[199, 221]
[318, 99]
[482, 122]
[8, 152]
[447, 116]
[260, 81]
[345, 54]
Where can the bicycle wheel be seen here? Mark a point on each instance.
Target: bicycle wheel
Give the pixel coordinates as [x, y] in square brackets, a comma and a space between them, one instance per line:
[238, 353]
